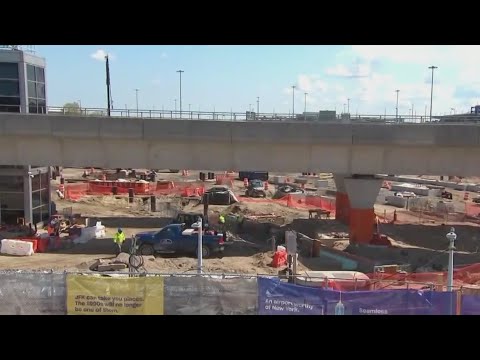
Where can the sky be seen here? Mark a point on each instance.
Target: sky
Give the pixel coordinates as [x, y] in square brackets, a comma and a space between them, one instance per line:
[231, 77]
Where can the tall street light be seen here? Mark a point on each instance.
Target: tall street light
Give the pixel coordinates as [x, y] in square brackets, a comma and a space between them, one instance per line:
[293, 101]
[109, 89]
[180, 73]
[258, 105]
[136, 99]
[431, 90]
[396, 108]
[451, 237]
[348, 106]
[305, 109]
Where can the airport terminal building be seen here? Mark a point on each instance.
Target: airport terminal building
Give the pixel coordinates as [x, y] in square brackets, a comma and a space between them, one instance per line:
[24, 190]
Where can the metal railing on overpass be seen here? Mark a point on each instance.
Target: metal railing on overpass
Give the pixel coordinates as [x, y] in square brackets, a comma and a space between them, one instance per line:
[249, 116]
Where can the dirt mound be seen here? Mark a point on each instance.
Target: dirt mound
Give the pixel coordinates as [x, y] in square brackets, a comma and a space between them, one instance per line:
[263, 260]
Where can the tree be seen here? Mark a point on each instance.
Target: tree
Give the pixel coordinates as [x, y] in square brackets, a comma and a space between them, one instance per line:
[72, 108]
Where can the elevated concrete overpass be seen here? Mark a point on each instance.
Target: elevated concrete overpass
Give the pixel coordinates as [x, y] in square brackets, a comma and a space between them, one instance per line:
[427, 149]
[353, 152]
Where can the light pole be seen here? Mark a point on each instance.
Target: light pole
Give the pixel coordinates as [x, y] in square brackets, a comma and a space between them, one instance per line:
[136, 99]
[180, 72]
[431, 90]
[413, 117]
[199, 226]
[348, 106]
[396, 108]
[293, 101]
[305, 109]
[258, 105]
[451, 237]
[109, 88]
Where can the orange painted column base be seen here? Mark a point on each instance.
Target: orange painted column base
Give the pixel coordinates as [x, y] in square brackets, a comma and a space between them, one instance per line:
[362, 222]
[342, 206]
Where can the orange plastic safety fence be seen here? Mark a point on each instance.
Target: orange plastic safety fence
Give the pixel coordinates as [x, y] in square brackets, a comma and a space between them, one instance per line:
[75, 191]
[225, 180]
[298, 202]
[310, 202]
[472, 209]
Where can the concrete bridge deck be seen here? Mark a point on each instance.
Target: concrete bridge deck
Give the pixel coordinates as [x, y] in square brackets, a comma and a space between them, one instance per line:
[364, 148]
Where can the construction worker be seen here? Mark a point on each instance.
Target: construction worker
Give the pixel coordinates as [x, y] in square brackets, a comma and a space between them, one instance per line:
[221, 220]
[118, 239]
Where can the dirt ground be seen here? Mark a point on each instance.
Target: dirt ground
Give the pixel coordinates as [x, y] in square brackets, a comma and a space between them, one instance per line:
[249, 252]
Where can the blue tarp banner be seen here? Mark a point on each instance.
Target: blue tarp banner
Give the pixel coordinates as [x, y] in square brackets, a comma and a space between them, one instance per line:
[279, 298]
[470, 305]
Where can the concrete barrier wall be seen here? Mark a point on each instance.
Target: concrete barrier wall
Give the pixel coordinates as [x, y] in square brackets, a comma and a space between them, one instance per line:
[396, 201]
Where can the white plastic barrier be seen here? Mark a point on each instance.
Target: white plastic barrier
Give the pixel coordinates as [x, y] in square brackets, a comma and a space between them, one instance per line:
[90, 233]
[16, 247]
[100, 230]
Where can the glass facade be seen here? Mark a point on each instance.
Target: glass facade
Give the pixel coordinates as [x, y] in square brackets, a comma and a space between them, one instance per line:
[36, 90]
[12, 198]
[9, 87]
[40, 197]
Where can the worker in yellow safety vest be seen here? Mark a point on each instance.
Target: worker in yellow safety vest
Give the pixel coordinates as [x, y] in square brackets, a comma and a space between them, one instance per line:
[223, 228]
[118, 239]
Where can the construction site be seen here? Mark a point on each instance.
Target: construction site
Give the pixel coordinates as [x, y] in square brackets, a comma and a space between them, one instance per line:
[411, 223]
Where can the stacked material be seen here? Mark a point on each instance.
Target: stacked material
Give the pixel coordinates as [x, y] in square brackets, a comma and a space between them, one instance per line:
[16, 247]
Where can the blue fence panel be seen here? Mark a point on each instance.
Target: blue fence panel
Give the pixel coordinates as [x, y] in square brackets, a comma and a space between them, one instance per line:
[441, 303]
[279, 298]
[470, 305]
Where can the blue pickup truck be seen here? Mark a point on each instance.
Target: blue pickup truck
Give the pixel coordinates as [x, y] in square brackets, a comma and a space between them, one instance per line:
[176, 238]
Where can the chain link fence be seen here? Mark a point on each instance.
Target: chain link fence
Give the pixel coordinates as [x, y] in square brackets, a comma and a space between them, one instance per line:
[48, 293]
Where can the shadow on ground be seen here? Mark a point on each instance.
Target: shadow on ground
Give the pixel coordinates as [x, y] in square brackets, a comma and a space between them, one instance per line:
[132, 221]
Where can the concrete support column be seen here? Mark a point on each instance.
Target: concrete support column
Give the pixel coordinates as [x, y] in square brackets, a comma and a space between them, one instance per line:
[27, 196]
[362, 193]
[342, 204]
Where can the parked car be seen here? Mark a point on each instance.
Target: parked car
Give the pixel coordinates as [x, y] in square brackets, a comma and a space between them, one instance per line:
[255, 189]
[219, 195]
[176, 238]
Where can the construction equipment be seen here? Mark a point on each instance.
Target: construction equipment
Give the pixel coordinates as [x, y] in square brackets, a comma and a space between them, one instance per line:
[447, 195]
